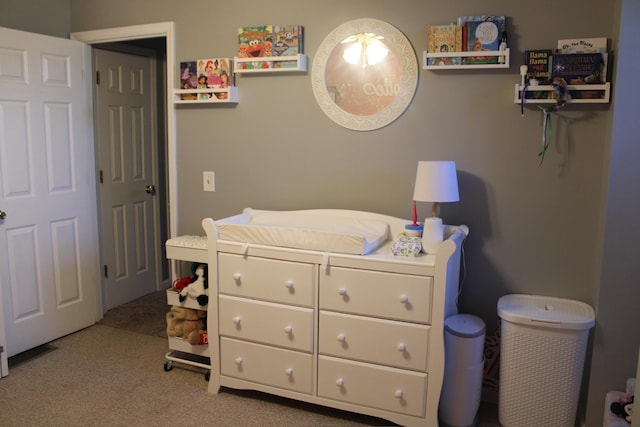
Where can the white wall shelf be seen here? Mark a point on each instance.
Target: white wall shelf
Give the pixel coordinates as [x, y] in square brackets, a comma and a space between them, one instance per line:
[276, 66]
[231, 96]
[580, 94]
[499, 53]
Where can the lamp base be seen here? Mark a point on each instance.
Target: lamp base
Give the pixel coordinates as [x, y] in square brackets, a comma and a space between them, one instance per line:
[435, 209]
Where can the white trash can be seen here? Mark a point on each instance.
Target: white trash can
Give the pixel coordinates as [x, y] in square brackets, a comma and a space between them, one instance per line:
[463, 369]
[542, 350]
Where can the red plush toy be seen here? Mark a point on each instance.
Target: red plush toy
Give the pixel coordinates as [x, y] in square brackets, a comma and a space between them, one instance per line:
[180, 284]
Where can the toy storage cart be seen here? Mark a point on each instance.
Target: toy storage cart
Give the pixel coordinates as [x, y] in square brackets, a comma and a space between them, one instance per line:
[192, 249]
[542, 350]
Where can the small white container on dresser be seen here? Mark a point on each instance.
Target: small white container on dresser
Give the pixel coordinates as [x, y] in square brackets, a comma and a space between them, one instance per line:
[361, 333]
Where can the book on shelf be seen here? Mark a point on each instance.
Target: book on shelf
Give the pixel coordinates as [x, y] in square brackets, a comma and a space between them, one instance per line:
[255, 42]
[288, 40]
[539, 64]
[482, 33]
[188, 79]
[444, 38]
[213, 69]
[213, 73]
[587, 45]
[579, 69]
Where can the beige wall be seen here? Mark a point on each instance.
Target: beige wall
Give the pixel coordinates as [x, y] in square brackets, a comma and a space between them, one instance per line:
[534, 228]
[50, 17]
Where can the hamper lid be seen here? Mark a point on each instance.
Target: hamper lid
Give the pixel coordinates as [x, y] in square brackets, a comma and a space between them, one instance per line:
[546, 311]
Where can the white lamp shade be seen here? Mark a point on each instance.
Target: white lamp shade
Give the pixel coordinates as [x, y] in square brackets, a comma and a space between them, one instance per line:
[436, 181]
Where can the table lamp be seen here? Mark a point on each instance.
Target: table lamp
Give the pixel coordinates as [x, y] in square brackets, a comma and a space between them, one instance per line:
[436, 182]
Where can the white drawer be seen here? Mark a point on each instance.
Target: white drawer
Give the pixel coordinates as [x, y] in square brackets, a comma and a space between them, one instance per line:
[265, 322]
[276, 367]
[267, 279]
[374, 293]
[374, 386]
[403, 345]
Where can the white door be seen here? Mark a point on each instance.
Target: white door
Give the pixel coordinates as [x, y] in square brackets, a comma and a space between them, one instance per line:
[48, 240]
[4, 363]
[127, 168]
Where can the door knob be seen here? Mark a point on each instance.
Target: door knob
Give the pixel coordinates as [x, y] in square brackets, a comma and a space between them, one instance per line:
[3, 214]
[150, 189]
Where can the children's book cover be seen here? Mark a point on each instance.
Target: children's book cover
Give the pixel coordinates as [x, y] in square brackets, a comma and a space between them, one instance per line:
[188, 78]
[483, 33]
[444, 38]
[213, 73]
[287, 41]
[225, 78]
[255, 42]
[578, 68]
[587, 45]
[212, 68]
[539, 62]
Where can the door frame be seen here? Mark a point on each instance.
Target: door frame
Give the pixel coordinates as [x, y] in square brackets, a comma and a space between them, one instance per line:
[144, 31]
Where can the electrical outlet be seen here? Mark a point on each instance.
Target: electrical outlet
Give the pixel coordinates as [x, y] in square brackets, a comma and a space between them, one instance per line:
[208, 181]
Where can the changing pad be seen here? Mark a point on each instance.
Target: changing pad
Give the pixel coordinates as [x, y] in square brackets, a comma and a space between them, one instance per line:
[302, 230]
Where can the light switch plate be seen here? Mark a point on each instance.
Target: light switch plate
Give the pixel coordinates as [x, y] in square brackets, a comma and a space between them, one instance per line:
[208, 181]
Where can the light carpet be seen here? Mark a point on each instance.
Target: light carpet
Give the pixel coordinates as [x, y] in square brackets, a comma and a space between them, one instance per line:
[108, 376]
[111, 374]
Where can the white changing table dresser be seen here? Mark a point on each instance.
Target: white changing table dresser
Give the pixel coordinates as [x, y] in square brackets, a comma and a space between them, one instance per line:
[362, 333]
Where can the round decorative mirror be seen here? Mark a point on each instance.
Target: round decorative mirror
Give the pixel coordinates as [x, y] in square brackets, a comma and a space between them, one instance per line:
[364, 74]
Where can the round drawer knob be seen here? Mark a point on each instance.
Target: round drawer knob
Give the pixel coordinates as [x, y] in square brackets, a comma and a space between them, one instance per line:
[342, 337]
[402, 347]
[340, 382]
[288, 329]
[342, 291]
[238, 361]
[237, 277]
[289, 371]
[398, 394]
[237, 320]
[289, 284]
[404, 299]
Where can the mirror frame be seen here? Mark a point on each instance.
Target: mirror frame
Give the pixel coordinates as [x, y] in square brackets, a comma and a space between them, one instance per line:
[408, 84]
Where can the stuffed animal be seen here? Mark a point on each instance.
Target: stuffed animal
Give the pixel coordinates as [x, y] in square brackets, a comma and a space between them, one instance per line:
[198, 288]
[187, 323]
[180, 284]
[623, 408]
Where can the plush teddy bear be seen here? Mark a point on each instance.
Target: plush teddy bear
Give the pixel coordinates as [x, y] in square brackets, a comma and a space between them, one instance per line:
[198, 288]
[187, 323]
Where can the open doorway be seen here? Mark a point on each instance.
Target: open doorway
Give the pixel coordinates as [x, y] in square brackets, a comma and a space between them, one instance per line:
[130, 135]
[157, 38]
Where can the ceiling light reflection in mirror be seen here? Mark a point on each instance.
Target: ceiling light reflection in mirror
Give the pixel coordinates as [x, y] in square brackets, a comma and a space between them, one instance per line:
[364, 49]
